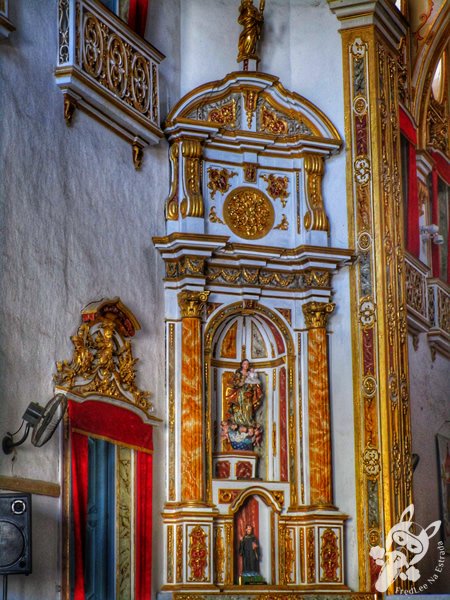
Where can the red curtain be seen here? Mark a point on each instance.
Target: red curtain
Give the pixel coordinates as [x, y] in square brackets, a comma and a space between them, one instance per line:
[413, 239]
[143, 573]
[79, 507]
[121, 426]
[137, 16]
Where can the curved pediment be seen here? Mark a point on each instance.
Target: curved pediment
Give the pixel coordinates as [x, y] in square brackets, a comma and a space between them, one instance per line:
[252, 105]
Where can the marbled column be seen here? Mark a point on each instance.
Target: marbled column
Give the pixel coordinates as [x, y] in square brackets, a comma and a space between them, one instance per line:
[192, 444]
[316, 316]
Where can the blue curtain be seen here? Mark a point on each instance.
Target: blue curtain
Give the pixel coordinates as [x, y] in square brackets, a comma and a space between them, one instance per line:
[100, 576]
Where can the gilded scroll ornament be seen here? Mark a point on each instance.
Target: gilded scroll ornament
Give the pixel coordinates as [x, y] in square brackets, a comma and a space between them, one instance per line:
[283, 225]
[192, 303]
[172, 200]
[366, 312]
[214, 217]
[192, 204]
[329, 555]
[225, 114]
[272, 123]
[315, 217]
[371, 461]
[289, 556]
[250, 102]
[361, 170]
[317, 313]
[219, 180]
[251, 19]
[248, 213]
[198, 554]
[102, 362]
[277, 187]
[250, 170]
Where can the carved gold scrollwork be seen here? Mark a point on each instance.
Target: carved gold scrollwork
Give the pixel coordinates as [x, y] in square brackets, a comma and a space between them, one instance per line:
[250, 102]
[289, 556]
[283, 225]
[277, 187]
[272, 123]
[172, 200]
[248, 213]
[225, 114]
[192, 204]
[192, 303]
[117, 66]
[315, 217]
[329, 555]
[102, 361]
[140, 83]
[317, 313]
[198, 554]
[219, 180]
[93, 46]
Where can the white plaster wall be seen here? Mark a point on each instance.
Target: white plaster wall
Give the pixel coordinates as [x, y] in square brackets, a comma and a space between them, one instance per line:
[77, 221]
[430, 414]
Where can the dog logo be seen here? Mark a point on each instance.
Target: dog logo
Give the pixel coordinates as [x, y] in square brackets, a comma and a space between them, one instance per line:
[404, 549]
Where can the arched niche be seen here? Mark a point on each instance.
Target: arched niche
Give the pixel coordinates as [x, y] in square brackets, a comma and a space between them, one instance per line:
[253, 331]
[258, 508]
[257, 339]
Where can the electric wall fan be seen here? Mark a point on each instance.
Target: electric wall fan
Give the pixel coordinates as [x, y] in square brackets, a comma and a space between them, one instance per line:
[42, 419]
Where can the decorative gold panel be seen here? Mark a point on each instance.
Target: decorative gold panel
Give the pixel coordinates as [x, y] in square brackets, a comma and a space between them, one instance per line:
[248, 213]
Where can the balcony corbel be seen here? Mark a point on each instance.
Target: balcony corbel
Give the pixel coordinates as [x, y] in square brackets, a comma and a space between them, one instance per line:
[6, 27]
[109, 71]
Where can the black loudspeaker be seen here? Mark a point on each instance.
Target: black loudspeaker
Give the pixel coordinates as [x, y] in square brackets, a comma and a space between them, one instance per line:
[15, 534]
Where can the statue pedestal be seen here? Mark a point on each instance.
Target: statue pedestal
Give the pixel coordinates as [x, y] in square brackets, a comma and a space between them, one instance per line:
[236, 464]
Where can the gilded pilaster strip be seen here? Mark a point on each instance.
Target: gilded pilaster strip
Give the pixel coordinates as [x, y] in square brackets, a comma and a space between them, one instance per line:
[124, 520]
[170, 554]
[381, 402]
[179, 554]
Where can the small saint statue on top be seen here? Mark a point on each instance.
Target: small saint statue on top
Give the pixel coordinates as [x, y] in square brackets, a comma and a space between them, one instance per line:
[251, 19]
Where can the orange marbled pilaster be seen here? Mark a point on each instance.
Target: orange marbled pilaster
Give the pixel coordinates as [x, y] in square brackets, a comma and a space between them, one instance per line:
[316, 316]
[192, 443]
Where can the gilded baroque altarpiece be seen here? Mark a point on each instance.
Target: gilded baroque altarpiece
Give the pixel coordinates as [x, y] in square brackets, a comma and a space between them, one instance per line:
[248, 277]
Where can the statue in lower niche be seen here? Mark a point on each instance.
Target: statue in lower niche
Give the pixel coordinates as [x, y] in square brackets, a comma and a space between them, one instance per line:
[250, 551]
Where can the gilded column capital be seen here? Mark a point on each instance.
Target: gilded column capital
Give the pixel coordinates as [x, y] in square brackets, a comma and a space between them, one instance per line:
[317, 313]
[192, 303]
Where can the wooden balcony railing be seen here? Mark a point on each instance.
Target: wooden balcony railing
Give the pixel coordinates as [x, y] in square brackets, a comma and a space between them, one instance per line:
[428, 302]
[109, 71]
